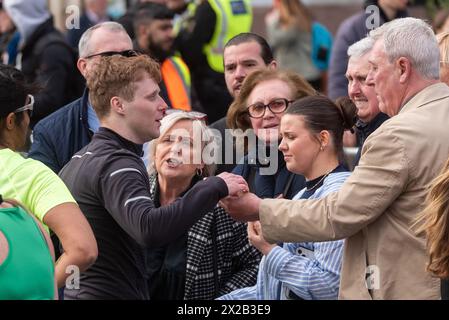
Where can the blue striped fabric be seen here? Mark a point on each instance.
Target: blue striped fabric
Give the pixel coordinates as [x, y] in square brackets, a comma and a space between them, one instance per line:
[311, 270]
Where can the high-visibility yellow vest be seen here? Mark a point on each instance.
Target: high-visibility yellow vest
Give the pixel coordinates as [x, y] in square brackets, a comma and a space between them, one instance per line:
[233, 17]
[176, 77]
[185, 20]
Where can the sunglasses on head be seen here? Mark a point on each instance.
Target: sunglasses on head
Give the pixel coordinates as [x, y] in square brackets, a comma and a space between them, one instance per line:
[27, 107]
[192, 114]
[126, 53]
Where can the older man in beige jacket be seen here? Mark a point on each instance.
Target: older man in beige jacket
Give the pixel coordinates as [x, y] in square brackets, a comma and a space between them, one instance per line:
[376, 207]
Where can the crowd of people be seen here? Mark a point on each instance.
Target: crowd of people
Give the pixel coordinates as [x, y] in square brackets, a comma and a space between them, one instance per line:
[175, 155]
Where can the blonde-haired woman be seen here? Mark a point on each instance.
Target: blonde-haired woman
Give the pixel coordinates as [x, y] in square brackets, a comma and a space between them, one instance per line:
[443, 43]
[435, 219]
[214, 256]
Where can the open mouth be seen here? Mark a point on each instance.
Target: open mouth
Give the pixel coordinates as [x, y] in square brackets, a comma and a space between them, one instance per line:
[173, 163]
[271, 126]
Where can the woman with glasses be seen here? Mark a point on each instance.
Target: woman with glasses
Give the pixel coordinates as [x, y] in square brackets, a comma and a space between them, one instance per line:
[214, 256]
[312, 144]
[257, 112]
[33, 184]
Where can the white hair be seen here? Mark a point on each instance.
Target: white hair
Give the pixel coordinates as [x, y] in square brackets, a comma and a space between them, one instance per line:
[84, 47]
[414, 39]
[360, 48]
[167, 123]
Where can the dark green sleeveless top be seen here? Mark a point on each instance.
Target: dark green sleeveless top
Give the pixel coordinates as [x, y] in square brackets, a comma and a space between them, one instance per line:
[28, 270]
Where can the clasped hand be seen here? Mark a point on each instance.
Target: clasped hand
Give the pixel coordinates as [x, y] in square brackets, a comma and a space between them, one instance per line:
[241, 204]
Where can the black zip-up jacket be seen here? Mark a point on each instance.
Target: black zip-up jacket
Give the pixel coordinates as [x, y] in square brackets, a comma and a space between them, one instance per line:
[110, 183]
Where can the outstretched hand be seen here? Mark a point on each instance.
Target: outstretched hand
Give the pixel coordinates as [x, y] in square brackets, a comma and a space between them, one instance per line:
[235, 183]
[243, 207]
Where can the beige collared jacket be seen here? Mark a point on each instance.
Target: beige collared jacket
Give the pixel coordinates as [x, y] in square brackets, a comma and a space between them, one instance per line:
[376, 206]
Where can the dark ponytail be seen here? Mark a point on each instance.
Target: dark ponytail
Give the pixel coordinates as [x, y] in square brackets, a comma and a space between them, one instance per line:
[320, 113]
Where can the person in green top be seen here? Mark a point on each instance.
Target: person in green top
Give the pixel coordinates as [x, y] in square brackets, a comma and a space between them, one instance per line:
[26, 256]
[34, 185]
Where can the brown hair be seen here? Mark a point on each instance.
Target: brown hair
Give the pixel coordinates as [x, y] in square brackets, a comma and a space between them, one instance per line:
[320, 113]
[293, 12]
[238, 118]
[116, 76]
[434, 221]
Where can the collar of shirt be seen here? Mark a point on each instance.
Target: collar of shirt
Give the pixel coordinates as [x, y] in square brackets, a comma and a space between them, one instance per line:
[125, 143]
[94, 125]
[366, 128]
[92, 119]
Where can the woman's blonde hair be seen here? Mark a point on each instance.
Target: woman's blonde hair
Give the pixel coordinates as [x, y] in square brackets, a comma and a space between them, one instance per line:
[434, 222]
[238, 117]
[168, 122]
[443, 44]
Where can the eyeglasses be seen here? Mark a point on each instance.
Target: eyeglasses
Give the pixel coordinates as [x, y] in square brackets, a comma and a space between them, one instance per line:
[257, 110]
[126, 53]
[28, 107]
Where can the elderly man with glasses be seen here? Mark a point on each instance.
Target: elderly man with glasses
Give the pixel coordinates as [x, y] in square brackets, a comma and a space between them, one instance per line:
[63, 133]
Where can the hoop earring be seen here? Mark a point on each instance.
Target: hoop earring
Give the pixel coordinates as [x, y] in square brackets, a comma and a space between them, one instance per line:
[199, 172]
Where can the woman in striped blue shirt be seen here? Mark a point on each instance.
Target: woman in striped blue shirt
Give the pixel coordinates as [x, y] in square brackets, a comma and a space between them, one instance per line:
[312, 144]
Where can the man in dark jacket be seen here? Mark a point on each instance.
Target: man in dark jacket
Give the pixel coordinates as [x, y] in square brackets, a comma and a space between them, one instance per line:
[127, 20]
[200, 46]
[153, 27]
[352, 30]
[362, 94]
[110, 182]
[46, 57]
[57, 137]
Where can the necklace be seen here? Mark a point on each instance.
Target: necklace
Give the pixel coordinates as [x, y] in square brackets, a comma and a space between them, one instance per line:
[319, 181]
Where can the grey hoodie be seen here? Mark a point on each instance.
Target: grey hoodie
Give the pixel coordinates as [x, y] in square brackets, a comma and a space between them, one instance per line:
[27, 15]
